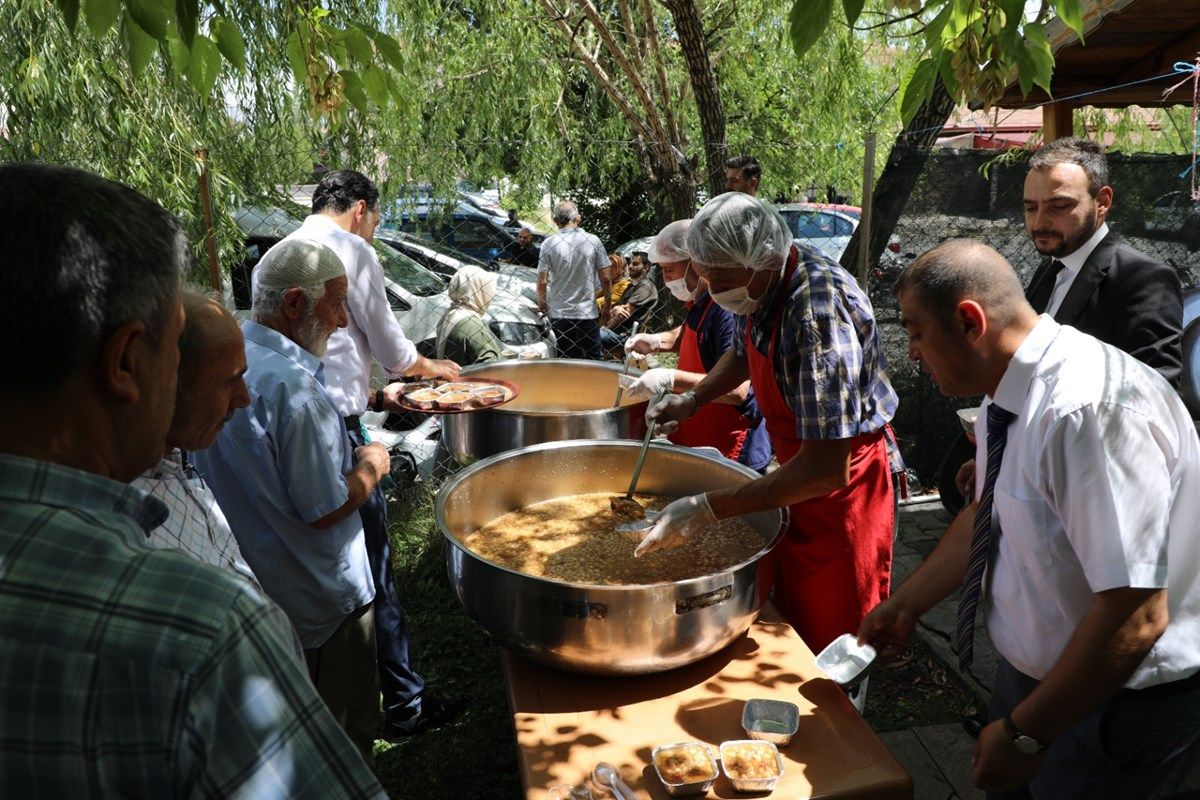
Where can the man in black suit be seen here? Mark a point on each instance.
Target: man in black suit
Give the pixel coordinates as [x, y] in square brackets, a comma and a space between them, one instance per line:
[1092, 281]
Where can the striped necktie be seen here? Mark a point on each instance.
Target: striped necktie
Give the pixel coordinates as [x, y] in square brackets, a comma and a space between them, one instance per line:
[982, 537]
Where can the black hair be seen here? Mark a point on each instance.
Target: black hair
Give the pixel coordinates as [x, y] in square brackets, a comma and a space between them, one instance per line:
[80, 256]
[340, 189]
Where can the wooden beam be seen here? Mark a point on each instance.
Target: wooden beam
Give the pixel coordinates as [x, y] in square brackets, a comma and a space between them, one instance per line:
[1057, 121]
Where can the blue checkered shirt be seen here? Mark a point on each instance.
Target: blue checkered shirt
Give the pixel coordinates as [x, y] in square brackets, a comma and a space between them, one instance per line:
[829, 362]
[127, 671]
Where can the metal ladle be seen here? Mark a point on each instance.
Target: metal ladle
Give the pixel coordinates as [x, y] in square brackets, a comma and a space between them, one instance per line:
[645, 521]
[608, 778]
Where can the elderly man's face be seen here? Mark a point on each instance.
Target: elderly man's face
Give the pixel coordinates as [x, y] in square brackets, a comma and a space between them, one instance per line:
[942, 352]
[367, 222]
[1060, 214]
[326, 316]
[525, 238]
[211, 386]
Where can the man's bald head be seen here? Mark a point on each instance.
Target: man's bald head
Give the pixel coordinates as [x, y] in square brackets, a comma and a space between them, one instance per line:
[207, 324]
[212, 360]
[964, 269]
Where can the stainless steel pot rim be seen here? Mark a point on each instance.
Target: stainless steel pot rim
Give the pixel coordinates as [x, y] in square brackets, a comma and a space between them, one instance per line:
[545, 363]
[450, 485]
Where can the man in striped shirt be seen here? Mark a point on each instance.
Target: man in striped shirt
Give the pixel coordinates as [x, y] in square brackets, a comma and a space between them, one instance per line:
[125, 671]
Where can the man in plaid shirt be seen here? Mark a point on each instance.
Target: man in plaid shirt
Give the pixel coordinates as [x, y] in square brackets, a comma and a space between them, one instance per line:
[809, 346]
[126, 671]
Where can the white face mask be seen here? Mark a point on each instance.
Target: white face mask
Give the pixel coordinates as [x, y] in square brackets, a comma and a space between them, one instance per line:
[679, 289]
[737, 301]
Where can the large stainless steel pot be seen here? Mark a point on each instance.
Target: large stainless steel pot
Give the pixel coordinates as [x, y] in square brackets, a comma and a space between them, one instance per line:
[600, 629]
[560, 399]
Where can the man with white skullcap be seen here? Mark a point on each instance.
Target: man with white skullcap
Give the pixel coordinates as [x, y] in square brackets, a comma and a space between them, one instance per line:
[808, 344]
[732, 423]
[290, 485]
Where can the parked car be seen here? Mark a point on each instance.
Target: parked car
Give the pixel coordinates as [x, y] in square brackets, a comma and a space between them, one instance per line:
[1176, 215]
[419, 300]
[462, 227]
[514, 281]
[827, 227]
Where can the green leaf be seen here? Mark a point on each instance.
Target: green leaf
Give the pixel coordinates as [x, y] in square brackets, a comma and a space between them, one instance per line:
[297, 57]
[946, 70]
[853, 10]
[375, 83]
[354, 91]
[204, 66]
[936, 27]
[180, 55]
[100, 15]
[70, 12]
[916, 88]
[389, 49]
[150, 15]
[1070, 13]
[229, 41]
[187, 13]
[139, 45]
[1040, 56]
[808, 20]
[358, 46]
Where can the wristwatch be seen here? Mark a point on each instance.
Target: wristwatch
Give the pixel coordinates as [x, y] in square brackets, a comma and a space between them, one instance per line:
[1025, 744]
[377, 405]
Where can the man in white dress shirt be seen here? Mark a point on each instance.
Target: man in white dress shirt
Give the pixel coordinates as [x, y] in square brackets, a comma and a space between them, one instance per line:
[345, 215]
[1087, 522]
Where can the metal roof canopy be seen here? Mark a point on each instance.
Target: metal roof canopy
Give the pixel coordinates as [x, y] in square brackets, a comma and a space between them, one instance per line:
[1124, 41]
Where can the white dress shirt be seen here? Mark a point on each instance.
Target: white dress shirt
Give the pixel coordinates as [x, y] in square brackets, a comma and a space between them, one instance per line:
[1099, 488]
[371, 331]
[1072, 264]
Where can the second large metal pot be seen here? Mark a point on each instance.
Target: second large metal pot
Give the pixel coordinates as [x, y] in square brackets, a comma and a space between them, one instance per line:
[560, 400]
[591, 628]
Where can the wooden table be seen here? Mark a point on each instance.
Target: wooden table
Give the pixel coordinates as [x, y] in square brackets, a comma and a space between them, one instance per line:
[565, 722]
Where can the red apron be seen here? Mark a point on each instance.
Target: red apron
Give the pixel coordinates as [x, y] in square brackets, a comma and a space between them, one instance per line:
[714, 424]
[835, 561]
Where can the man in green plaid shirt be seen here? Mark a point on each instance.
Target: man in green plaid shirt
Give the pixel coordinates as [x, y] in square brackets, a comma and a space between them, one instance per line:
[124, 670]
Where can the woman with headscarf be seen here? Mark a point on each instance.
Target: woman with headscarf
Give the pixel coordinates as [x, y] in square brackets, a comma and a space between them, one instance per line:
[809, 346]
[462, 335]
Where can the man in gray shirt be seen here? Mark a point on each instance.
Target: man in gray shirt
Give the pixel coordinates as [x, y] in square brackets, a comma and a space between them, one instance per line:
[570, 264]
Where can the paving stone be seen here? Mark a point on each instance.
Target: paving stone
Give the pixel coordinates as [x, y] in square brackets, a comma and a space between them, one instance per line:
[929, 783]
[952, 748]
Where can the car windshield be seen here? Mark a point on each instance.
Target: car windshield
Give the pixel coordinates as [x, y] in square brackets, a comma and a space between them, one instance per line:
[811, 224]
[408, 273]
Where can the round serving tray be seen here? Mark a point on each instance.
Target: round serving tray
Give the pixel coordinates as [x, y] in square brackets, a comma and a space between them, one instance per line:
[511, 391]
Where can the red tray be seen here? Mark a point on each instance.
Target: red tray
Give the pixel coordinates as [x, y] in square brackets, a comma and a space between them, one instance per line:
[511, 391]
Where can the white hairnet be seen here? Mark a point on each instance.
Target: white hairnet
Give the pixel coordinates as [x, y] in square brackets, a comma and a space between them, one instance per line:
[297, 263]
[474, 288]
[670, 246]
[737, 230]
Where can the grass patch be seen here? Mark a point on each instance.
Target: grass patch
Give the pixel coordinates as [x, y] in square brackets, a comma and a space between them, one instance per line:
[475, 756]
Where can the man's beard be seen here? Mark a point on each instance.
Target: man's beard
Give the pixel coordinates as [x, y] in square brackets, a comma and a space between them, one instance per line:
[313, 336]
[1066, 246]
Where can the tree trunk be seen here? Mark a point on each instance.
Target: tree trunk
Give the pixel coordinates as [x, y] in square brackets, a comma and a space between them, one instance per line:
[704, 88]
[904, 166]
